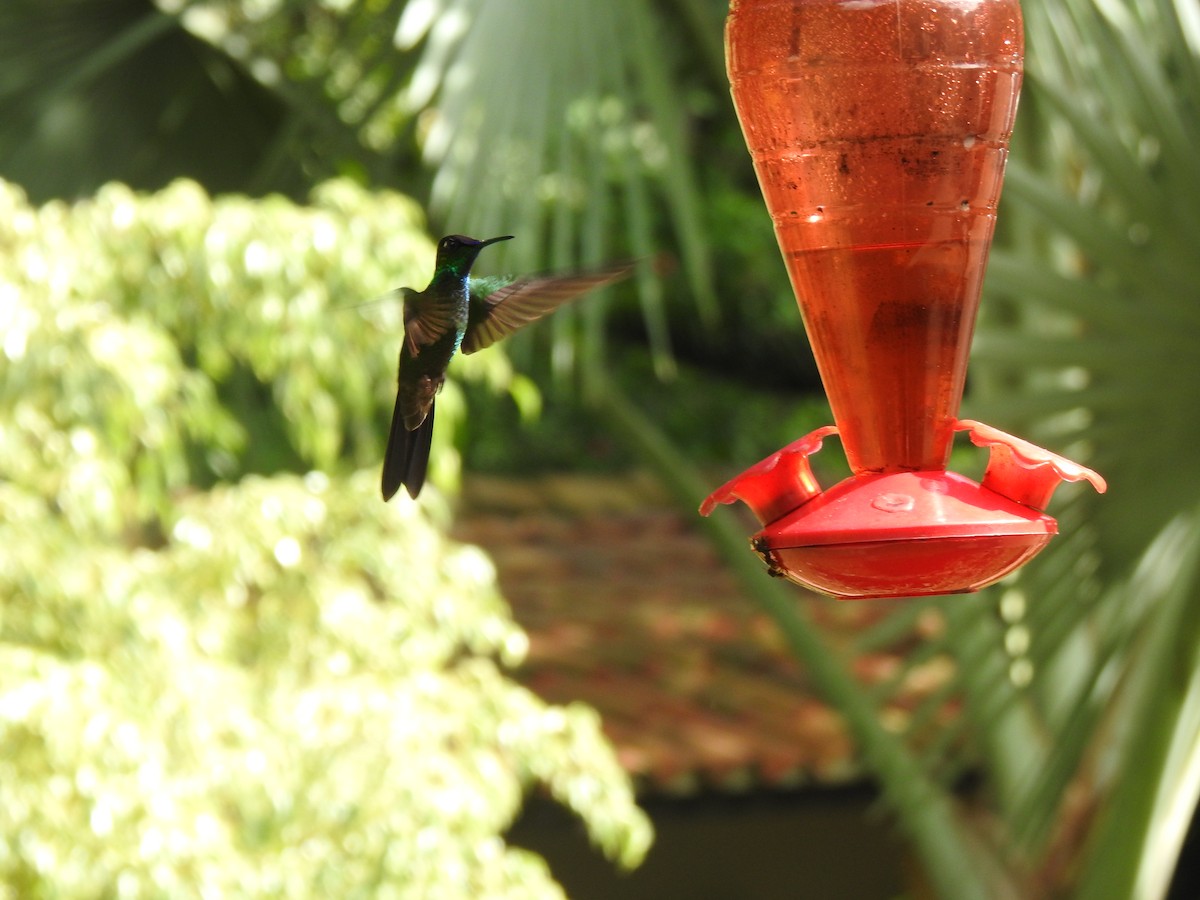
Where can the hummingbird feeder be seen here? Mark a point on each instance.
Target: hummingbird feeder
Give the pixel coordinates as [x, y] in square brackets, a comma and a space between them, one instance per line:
[879, 131]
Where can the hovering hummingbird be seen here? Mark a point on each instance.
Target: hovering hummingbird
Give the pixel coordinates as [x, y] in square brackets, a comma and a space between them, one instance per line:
[458, 312]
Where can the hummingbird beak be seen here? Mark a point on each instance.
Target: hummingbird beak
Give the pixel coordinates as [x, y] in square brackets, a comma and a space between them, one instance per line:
[503, 237]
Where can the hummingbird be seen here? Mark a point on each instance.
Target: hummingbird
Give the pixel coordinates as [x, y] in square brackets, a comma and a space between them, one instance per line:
[457, 312]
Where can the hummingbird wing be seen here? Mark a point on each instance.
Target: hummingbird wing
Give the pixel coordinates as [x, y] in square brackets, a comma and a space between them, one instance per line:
[502, 304]
[425, 319]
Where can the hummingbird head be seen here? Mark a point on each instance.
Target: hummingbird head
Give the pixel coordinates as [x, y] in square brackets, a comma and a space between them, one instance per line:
[458, 251]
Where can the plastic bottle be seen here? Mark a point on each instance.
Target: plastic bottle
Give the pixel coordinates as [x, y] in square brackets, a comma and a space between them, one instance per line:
[879, 131]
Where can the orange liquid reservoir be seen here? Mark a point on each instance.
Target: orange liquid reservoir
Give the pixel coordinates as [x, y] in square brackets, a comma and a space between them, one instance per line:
[879, 131]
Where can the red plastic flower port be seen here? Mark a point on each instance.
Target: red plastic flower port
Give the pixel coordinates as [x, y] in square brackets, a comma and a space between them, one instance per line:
[904, 533]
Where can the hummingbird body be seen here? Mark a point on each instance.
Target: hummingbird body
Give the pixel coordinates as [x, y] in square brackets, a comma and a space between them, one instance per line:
[457, 312]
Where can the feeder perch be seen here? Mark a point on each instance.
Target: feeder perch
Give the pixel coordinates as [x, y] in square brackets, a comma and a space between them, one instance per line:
[879, 131]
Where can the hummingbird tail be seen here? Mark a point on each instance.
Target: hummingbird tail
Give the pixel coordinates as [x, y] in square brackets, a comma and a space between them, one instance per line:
[407, 456]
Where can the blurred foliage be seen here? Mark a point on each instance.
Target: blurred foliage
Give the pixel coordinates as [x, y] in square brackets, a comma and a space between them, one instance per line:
[724, 421]
[593, 129]
[93, 91]
[257, 301]
[277, 95]
[216, 682]
[585, 155]
[1088, 345]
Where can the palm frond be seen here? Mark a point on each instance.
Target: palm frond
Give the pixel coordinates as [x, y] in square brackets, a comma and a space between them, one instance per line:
[1087, 342]
[561, 119]
[77, 110]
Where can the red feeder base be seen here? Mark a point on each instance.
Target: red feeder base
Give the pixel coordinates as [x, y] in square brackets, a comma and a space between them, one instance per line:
[903, 534]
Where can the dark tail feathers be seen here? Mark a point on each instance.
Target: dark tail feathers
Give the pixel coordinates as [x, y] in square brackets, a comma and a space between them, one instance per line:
[407, 455]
